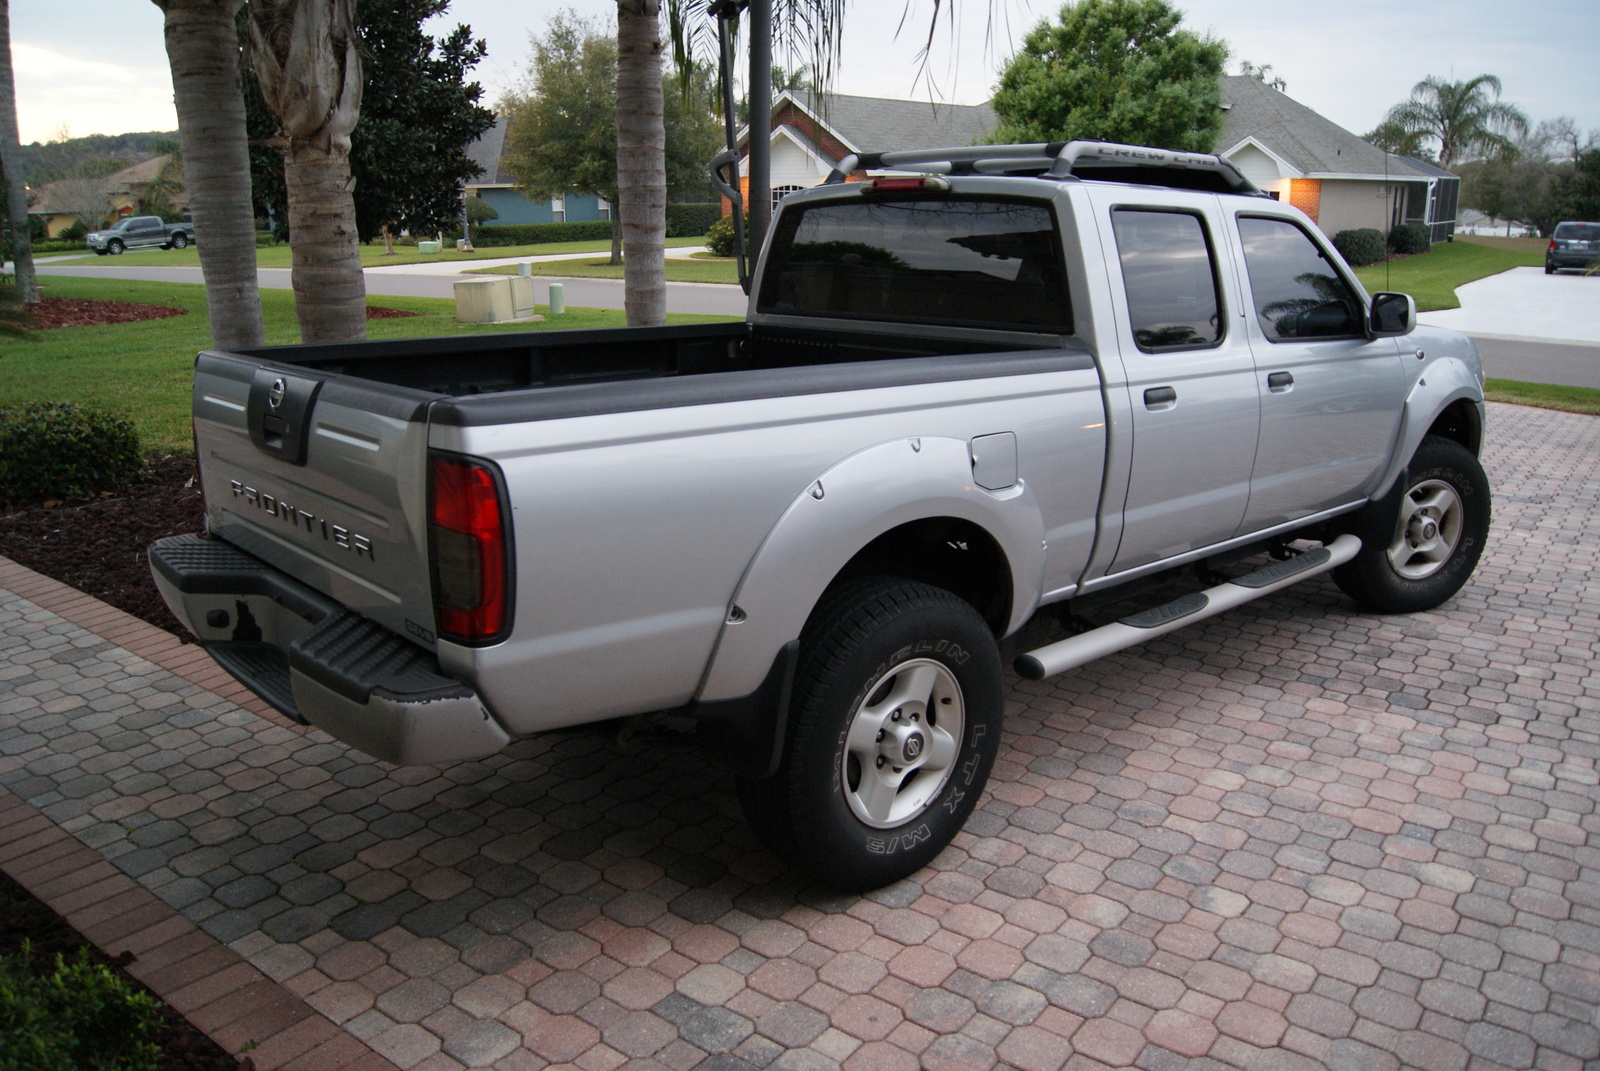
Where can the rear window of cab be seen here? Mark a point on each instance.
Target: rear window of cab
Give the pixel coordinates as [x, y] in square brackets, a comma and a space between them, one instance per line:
[964, 262]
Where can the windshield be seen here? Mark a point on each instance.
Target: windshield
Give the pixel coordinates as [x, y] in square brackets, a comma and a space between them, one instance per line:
[1578, 232]
[985, 263]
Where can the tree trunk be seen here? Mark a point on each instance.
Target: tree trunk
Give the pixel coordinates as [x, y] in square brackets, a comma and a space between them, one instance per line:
[11, 164]
[330, 293]
[304, 53]
[203, 50]
[641, 162]
[616, 236]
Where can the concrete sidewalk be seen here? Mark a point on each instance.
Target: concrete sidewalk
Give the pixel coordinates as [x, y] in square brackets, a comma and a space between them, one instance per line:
[1291, 837]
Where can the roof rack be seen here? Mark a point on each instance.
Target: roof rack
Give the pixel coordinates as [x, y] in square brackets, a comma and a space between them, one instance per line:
[1102, 160]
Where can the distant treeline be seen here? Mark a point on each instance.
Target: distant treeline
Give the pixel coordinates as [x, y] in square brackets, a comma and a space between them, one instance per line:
[44, 162]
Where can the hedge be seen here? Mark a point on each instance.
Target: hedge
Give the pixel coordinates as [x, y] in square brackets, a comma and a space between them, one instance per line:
[689, 220]
[498, 234]
[64, 450]
[78, 1016]
[1409, 239]
[1360, 247]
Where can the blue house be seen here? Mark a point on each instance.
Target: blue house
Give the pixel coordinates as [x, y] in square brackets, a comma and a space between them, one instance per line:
[499, 189]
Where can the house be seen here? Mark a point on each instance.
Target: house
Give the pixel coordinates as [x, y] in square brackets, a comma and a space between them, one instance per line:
[499, 188]
[1339, 180]
[122, 193]
[812, 132]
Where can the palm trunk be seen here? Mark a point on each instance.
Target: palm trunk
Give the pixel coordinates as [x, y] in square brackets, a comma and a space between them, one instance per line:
[641, 162]
[330, 293]
[11, 163]
[304, 53]
[203, 50]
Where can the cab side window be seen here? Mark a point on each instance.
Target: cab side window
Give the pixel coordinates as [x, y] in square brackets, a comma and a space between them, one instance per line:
[1298, 293]
[1170, 279]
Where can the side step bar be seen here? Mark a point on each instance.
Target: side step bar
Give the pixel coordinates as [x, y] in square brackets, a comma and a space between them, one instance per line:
[1078, 650]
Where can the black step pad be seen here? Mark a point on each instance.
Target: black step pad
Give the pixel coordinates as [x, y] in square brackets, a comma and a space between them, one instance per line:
[352, 656]
[1166, 613]
[1277, 571]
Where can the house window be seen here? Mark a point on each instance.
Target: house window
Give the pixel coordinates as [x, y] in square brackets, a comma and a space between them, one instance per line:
[605, 208]
[558, 209]
[780, 192]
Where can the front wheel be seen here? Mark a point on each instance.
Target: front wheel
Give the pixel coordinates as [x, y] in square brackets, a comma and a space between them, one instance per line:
[894, 726]
[1419, 546]
[115, 246]
[178, 242]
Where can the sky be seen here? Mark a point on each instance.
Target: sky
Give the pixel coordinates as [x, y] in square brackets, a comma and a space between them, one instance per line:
[99, 66]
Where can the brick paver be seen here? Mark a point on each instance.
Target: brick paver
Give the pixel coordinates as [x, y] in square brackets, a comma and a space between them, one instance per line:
[1292, 836]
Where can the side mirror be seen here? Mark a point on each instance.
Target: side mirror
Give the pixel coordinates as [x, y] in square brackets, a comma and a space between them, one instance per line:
[1392, 315]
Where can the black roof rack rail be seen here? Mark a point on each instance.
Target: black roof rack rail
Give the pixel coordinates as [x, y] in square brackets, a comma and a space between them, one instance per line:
[1102, 160]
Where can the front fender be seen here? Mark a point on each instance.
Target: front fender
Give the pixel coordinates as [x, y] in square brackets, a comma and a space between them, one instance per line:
[1444, 381]
[849, 506]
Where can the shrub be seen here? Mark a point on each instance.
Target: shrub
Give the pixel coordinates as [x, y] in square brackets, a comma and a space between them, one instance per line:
[719, 236]
[75, 233]
[499, 234]
[78, 1016]
[1410, 238]
[687, 220]
[63, 450]
[1361, 246]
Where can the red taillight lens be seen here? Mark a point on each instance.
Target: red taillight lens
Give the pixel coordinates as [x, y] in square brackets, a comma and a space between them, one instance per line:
[470, 556]
[915, 183]
[1552, 246]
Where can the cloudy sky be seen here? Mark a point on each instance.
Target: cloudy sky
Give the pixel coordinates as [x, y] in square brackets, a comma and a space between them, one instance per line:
[99, 66]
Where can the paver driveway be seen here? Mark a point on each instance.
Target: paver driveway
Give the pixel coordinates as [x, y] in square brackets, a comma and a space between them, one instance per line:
[1292, 836]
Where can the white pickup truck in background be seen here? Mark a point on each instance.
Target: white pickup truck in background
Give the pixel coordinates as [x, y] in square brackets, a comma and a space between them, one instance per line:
[995, 381]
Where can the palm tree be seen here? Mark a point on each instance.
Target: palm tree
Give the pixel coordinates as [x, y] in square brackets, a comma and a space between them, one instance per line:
[641, 162]
[1468, 118]
[27, 286]
[304, 53]
[203, 51]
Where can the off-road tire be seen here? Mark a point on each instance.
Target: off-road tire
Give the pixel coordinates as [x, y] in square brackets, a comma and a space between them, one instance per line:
[861, 643]
[1375, 578]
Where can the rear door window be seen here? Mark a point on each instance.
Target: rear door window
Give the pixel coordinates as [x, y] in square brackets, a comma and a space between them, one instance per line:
[1170, 278]
[971, 262]
[1297, 291]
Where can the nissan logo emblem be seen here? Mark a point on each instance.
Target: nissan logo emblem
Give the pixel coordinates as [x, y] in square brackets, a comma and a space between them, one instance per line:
[913, 746]
[275, 395]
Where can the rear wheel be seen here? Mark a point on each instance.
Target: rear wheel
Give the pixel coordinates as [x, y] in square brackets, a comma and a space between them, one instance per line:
[178, 242]
[894, 726]
[1418, 547]
[115, 246]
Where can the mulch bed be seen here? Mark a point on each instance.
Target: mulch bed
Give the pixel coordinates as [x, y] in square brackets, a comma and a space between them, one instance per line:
[70, 312]
[24, 918]
[98, 546]
[378, 312]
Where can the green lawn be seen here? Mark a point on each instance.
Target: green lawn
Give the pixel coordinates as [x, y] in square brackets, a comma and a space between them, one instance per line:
[691, 270]
[143, 370]
[372, 254]
[1543, 396]
[1431, 278]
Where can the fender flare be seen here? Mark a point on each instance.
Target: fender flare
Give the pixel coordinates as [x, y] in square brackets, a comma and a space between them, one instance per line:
[1445, 381]
[843, 510]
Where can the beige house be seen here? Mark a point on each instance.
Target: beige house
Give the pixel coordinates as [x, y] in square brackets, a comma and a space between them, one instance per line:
[1330, 174]
[121, 193]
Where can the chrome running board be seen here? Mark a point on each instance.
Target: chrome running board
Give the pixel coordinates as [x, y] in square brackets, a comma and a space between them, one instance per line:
[1077, 650]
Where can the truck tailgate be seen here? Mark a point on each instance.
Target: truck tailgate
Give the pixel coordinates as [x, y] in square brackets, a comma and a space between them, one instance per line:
[322, 476]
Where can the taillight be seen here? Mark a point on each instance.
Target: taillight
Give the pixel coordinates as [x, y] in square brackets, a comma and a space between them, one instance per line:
[470, 557]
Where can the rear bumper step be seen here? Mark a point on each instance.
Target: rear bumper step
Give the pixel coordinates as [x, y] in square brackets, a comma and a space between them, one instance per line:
[318, 662]
[1078, 650]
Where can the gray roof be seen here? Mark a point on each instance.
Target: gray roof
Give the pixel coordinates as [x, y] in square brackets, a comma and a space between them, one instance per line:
[1315, 145]
[879, 124]
[485, 152]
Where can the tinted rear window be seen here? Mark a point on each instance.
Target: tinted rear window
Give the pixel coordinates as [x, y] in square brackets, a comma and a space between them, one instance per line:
[981, 263]
[1578, 232]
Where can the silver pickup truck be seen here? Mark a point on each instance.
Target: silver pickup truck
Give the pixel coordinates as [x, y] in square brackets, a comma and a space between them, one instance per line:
[989, 382]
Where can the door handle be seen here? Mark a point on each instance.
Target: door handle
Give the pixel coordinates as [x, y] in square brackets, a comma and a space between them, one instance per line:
[1280, 381]
[1155, 397]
